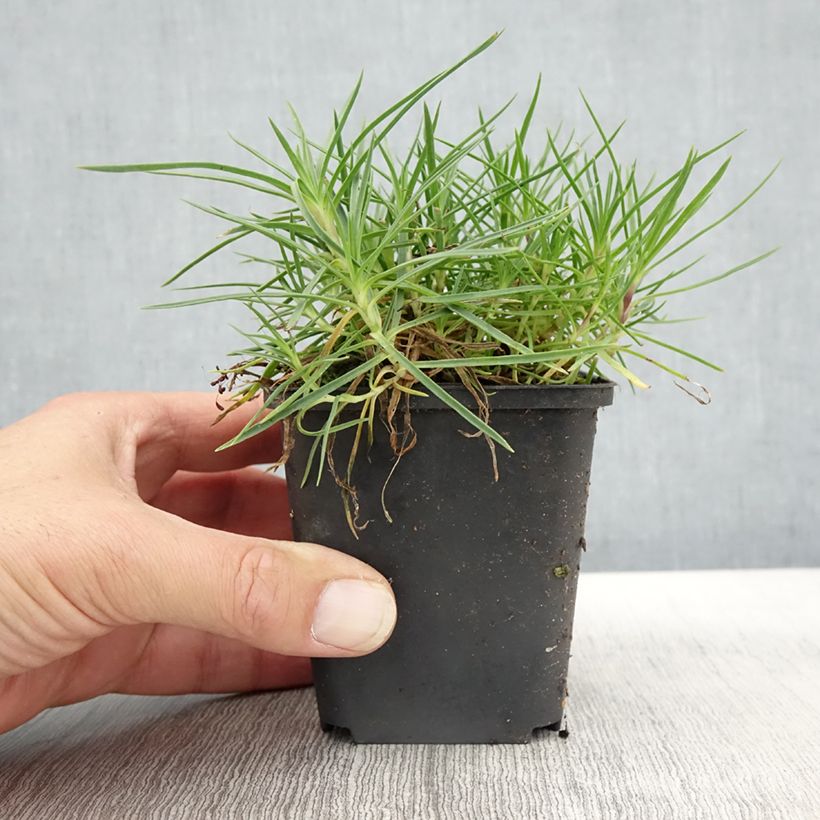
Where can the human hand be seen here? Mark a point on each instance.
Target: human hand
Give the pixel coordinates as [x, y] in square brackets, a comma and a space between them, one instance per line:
[135, 559]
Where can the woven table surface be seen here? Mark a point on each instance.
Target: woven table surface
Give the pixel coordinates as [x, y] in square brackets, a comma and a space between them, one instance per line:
[692, 695]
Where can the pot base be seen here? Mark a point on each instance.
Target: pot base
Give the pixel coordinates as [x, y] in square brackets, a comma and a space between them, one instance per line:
[365, 737]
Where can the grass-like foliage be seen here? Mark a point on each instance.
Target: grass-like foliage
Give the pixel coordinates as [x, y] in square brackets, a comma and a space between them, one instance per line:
[461, 261]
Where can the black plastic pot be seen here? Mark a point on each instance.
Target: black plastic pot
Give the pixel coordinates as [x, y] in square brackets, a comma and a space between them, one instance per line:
[484, 572]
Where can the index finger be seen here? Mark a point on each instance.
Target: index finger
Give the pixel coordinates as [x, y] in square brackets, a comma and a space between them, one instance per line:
[176, 431]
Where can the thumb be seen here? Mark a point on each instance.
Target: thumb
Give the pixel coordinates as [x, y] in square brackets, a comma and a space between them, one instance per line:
[280, 596]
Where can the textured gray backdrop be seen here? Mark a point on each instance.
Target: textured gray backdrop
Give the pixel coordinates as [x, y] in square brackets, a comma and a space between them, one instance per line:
[675, 484]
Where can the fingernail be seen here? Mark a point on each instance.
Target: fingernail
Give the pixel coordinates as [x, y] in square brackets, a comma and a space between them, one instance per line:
[354, 615]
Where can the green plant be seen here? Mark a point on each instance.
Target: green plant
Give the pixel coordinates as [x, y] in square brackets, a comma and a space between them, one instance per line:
[458, 261]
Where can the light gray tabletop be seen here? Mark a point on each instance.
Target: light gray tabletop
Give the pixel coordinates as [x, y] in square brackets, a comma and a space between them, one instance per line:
[693, 694]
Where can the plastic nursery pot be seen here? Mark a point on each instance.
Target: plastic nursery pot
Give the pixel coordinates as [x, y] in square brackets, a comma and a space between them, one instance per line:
[484, 572]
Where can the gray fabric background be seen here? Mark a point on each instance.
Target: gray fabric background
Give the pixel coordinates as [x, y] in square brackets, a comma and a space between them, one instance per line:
[675, 484]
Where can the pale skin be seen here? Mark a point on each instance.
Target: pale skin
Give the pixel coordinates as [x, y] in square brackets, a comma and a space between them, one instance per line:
[135, 559]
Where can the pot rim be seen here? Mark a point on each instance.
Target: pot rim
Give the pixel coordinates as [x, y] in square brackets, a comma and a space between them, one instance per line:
[525, 396]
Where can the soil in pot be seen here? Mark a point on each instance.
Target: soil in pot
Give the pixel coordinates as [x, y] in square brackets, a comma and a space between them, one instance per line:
[484, 571]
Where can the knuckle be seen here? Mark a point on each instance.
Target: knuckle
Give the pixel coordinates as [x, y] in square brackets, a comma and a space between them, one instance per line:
[88, 405]
[79, 410]
[260, 592]
[69, 402]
